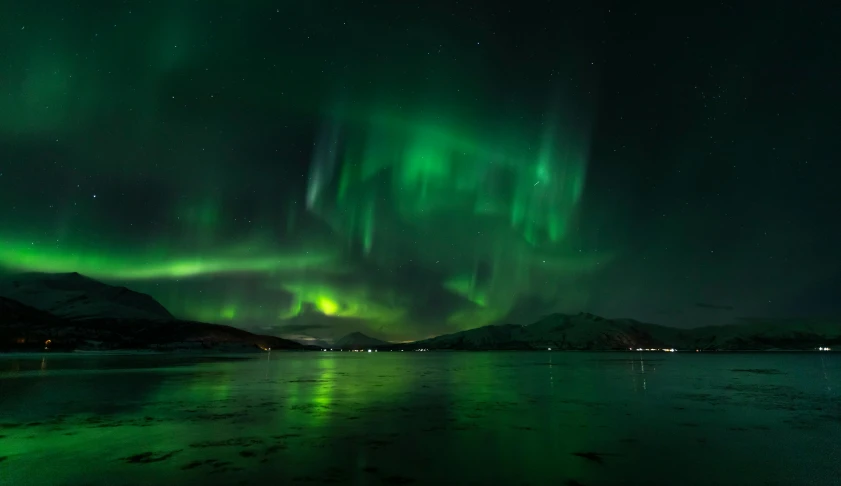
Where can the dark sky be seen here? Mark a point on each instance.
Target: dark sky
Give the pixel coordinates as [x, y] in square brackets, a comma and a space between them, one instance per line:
[417, 167]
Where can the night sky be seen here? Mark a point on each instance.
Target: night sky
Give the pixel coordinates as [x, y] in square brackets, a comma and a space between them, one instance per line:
[410, 168]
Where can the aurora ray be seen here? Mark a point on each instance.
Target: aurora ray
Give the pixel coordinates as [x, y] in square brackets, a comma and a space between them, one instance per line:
[275, 168]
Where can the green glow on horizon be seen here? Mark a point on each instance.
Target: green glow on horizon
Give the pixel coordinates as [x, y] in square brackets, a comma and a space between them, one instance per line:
[229, 312]
[20, 255]
[349, 302]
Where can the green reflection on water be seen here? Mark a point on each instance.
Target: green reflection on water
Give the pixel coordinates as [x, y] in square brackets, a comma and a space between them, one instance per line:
[501, 418]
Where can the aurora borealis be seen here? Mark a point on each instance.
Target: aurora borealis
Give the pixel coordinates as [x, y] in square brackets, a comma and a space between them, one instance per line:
[409, 169]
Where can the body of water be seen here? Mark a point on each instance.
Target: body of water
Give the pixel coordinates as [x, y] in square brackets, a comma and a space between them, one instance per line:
[421, 418]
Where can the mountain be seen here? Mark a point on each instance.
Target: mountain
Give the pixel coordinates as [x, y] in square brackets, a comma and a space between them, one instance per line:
[589, 332]
[76, 312]
[357, 340]
[14, 314]
[557, 331]
[761, 334]
[76, 297]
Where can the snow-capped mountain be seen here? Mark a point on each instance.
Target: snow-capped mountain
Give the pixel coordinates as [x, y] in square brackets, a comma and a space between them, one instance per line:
[357, 340]
[74, 296]
[70, 311]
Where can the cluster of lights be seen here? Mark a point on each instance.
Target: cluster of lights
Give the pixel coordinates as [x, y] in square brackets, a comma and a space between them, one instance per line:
[668, 350]
[824, 349]
[421, 350]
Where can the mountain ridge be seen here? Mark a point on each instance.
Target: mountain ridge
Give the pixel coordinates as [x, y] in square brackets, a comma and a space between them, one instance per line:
[77, 297]
[74, 311]
[587, 332]
[71, 311]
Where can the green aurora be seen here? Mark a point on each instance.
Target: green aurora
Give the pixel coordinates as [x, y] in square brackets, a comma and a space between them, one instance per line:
[491, 215]
[371, 170]
[484, 198]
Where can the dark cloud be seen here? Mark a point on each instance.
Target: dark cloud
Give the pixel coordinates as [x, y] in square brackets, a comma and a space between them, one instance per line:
[300, 328]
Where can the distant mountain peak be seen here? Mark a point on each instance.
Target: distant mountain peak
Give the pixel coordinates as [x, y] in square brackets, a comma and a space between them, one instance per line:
[357, 334]
[358, 340]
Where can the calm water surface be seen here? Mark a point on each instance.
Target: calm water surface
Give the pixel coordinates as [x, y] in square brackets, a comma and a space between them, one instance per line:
[421, 418]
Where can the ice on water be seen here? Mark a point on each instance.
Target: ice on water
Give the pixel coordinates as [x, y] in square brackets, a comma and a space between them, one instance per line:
[421, 418]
